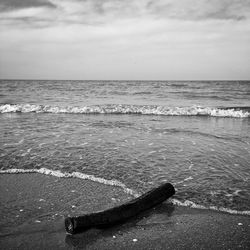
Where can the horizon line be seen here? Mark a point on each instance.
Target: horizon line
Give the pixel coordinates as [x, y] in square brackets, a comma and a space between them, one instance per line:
[120, 80]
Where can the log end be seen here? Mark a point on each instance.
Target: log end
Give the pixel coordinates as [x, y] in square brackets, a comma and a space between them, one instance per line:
[69, 225]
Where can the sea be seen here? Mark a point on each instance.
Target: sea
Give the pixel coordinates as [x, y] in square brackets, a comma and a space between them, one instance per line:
[134, 135]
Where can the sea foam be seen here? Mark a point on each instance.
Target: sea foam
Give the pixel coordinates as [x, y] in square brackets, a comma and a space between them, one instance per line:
[128, 109]
[191, 204]
[117, 183]
[79, 175]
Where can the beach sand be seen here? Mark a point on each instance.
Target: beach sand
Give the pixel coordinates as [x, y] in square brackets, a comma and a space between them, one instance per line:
[33, 208]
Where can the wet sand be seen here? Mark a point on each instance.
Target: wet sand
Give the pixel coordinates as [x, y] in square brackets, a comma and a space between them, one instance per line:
[33, 207]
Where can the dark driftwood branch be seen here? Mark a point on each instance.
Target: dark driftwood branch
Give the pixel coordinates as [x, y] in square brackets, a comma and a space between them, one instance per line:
[121, 213]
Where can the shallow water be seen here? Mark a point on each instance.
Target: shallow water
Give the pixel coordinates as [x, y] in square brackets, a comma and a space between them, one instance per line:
[137, 133]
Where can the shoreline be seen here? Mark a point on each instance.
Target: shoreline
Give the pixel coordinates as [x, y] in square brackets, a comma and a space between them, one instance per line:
[33, 207]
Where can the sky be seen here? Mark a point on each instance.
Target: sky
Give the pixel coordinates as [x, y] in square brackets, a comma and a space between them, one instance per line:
[125, 39]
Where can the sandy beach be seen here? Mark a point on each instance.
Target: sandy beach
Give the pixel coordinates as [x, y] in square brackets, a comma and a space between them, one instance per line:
[33, 208]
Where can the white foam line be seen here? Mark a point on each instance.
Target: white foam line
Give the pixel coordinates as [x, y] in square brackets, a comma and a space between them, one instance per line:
[79, 175]
[191, 204]
[116, 183]
[127, 109]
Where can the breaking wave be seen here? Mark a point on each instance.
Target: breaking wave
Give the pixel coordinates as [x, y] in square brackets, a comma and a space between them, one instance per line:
[79, 175]
[236, 112]
[191, 204]
[116, 183]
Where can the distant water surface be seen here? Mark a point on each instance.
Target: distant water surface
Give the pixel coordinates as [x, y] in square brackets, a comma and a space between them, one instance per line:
[195, 135]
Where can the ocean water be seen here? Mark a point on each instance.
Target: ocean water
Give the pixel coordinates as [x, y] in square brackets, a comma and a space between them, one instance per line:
[133, 134]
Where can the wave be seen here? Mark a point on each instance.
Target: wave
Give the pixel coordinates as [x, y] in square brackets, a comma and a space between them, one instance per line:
[116, 183]
[190, 132]
[235, 112]
[191, 204]
[79, 175]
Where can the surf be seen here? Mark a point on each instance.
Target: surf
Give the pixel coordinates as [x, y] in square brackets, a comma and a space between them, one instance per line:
[116, 183]
[233, 112]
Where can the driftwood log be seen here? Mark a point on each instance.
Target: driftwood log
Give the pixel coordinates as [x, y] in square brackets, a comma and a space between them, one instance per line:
[121, 213]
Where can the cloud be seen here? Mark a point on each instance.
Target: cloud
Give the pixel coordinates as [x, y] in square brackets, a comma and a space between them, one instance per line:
[27, 12]
[97, 12]
[22, 4]
[201, 9]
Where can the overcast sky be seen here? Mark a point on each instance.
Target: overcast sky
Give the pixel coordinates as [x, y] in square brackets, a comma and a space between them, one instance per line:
[125, 39]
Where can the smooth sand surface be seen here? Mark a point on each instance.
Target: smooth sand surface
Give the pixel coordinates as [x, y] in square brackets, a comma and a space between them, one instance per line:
[33, 207]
